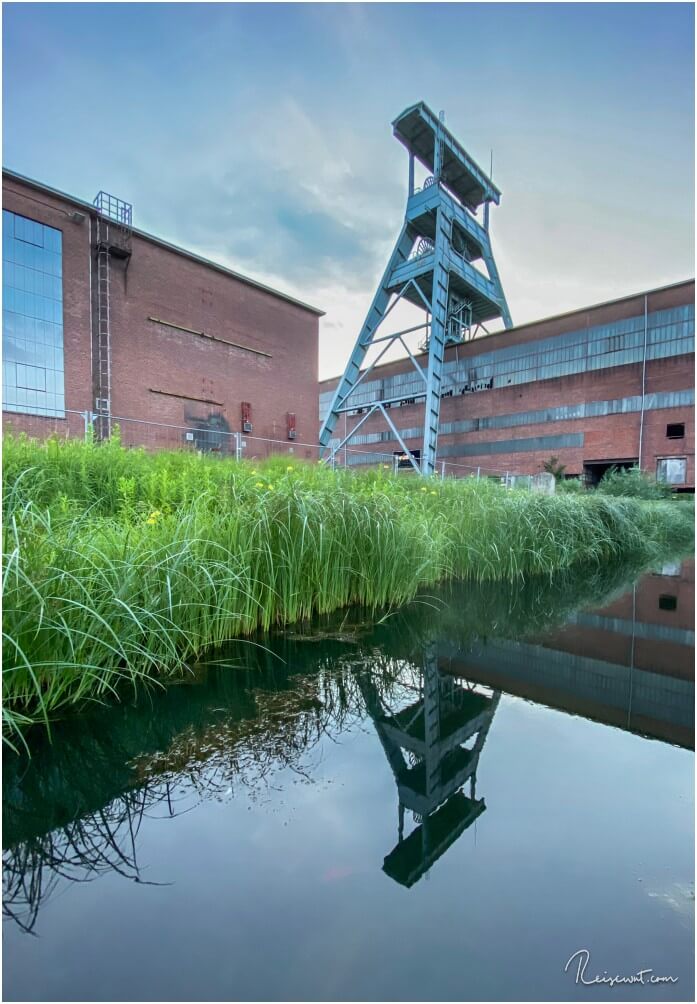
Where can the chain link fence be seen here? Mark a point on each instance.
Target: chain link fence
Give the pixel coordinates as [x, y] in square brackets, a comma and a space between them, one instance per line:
[206, 438]
[70, 424]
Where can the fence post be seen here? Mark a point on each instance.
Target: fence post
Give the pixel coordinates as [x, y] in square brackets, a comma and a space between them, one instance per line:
[478, 470]
[87, 418]
[238, 447]
[442, 470]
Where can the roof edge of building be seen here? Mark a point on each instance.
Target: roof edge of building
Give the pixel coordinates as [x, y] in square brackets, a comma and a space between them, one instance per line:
[552, 317]
[74, 200]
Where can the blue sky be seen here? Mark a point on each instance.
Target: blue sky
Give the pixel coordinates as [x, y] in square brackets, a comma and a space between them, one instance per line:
[259, 135]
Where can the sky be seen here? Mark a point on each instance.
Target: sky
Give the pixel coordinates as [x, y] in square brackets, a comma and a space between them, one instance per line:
[259, 135]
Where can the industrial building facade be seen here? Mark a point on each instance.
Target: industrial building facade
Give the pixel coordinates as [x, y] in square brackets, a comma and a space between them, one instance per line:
[612, 384]
[103, 320]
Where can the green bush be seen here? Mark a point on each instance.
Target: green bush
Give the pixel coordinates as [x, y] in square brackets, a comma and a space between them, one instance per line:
[570, 486]
[633, 483]
[553, 467]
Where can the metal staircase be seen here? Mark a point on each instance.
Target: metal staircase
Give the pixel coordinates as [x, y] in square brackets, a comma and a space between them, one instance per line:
[432, 268]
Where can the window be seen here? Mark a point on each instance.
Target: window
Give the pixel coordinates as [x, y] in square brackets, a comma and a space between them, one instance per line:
[32, 335]
[673, 470]
[675, 430]
[670, 568]
[667, 602]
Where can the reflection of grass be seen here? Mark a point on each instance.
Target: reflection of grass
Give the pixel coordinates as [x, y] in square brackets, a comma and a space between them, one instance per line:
[75, 808]
[460, 612]
[80, 850]
[121, 566]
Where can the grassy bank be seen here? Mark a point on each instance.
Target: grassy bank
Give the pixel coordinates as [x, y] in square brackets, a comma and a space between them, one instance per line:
[121, 565]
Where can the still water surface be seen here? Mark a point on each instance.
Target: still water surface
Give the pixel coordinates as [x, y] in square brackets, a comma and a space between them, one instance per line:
[444, 805]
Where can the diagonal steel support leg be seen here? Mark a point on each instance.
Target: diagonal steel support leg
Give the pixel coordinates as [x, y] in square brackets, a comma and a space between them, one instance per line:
[496, 279]
[400, 440]
[377, 310]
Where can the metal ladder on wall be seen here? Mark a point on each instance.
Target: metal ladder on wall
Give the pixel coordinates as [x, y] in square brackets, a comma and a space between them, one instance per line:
[103, 396]
[113, 240]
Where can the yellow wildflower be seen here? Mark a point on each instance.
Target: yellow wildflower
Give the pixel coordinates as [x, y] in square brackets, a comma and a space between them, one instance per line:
[434, 493]
[259, 484]
[424, 489]
[289, 468]
[270, 487]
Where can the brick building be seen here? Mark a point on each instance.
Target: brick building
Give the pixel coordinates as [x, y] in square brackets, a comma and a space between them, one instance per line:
[101, 318]
[608, 384]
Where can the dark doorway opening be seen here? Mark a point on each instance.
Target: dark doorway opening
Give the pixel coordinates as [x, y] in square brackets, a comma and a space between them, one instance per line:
[593, 470]
[403, 462]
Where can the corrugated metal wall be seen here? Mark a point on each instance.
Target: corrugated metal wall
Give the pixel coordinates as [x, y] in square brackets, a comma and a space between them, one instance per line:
[670, 333]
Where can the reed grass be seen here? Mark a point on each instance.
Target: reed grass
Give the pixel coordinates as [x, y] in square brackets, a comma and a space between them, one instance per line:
[121, 566]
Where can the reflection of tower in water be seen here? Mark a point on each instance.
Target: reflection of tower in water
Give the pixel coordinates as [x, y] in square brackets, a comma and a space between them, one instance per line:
[433, 746]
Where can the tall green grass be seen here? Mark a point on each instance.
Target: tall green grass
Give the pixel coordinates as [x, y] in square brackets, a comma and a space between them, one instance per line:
[633, 483]
[121, 566]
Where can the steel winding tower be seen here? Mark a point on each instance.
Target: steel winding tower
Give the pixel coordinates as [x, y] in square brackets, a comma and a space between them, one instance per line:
[431, 267]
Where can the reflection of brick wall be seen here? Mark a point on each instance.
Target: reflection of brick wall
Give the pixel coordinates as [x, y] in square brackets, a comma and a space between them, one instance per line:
[682, 587]
[660, 656]
[614, 437]
[565, 700]
[552, 669]
[146, 356]
[664, 657]
[651, 587]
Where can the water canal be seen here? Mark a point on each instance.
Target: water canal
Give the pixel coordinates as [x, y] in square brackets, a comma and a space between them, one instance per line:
[445, 804]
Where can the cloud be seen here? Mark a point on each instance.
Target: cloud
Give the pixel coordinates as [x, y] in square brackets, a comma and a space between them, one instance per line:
[296, 197]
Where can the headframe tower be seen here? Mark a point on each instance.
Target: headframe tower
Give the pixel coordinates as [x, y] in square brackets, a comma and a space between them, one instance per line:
[431, 267]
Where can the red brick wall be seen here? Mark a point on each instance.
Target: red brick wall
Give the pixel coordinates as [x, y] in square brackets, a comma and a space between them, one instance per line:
[147, 356]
